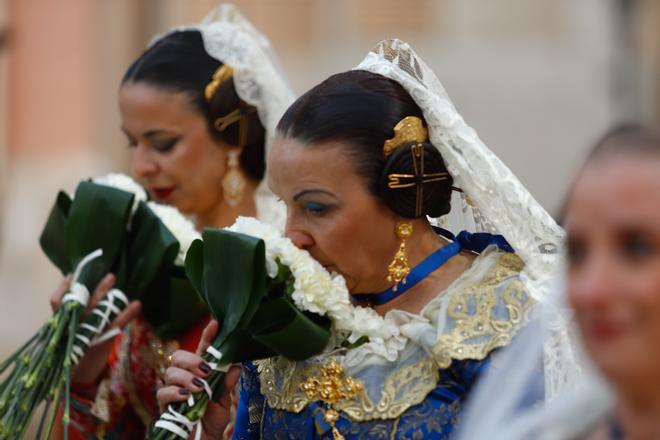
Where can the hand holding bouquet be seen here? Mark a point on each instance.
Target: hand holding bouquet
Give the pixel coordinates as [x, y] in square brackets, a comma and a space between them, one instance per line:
[106, 227]
[270, 299]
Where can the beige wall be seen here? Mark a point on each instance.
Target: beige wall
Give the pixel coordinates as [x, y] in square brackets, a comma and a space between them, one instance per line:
[3, 115]
[53, 122]
[53, 73]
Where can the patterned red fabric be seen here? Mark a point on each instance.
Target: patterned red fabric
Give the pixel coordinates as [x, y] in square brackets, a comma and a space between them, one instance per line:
[135, 367]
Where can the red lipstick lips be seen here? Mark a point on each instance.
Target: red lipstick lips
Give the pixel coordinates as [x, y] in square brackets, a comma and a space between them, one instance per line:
[162, 193]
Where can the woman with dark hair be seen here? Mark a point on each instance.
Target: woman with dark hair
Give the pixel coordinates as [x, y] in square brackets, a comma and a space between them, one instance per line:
[363, 161]
[199, 109]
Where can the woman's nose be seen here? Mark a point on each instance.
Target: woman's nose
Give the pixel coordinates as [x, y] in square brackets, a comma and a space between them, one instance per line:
[142, 163]
[297, 235]
[301, 239]
[594, 284]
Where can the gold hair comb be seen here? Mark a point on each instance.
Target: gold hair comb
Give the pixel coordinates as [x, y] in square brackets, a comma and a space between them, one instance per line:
[221, 75]
[408, 129]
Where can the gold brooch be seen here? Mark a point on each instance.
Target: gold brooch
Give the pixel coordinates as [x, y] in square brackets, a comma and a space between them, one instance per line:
[332, 387]
[408, 129]
[221, 75]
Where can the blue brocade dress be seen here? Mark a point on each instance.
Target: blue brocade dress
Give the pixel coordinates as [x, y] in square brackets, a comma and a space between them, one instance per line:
[414, 386]
[434, 418]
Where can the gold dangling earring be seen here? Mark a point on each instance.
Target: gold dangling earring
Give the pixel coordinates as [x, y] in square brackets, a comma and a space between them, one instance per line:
[399, 269]
[233, 182]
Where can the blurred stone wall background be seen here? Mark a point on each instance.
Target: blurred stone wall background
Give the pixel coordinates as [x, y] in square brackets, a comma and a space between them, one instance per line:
[538, 79]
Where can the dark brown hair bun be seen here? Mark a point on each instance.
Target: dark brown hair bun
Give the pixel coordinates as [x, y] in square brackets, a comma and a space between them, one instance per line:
[415, 181]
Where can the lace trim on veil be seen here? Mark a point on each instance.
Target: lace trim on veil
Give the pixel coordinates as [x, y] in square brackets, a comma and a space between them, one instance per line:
[493, 199]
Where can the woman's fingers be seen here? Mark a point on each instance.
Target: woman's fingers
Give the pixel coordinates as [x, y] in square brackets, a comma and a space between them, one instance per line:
[231, 379]
[191, 362]
[56, 297]
[232, 376]
[102, 288]
[184, 379]
[171, 394]
[127, 315]
[208, 336]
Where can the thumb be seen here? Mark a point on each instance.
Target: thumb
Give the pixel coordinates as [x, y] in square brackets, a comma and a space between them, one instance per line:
[128, 314]
[208, 336]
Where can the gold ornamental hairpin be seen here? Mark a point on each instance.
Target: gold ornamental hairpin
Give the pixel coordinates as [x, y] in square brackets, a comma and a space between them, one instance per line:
[407, 130]
[221, 75]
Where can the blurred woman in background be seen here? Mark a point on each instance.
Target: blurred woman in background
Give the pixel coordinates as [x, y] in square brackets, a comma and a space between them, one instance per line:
[613, 228]
[198, 108]
[610, 335]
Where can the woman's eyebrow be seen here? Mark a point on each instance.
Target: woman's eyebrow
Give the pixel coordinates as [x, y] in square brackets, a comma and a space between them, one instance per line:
[311, 191]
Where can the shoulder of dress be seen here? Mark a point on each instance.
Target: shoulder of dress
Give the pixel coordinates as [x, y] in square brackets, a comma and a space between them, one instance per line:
[510, 261]
[486, 314]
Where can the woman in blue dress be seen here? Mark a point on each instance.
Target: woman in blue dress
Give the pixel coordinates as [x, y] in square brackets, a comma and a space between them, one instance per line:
[366, 162]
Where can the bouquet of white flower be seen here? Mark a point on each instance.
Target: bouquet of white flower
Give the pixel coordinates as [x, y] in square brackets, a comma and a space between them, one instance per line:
[108, 226]
[265, 293]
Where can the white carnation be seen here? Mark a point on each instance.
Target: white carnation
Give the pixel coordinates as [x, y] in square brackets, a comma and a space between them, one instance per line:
[182, 228]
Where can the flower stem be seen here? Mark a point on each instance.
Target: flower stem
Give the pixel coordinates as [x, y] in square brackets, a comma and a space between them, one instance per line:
[73, 325]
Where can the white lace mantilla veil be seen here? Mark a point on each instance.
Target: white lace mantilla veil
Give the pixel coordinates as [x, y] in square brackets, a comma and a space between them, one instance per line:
[493, 199]
[258, 78]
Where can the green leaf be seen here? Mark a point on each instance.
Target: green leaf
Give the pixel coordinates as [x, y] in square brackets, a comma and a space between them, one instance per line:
[171, 315]
[259, 283]
[234, 277]
[97, 219]
[284, 329]
[195, 265]
[149, 246]
[240, 346]
[173, 303]
[53, 237]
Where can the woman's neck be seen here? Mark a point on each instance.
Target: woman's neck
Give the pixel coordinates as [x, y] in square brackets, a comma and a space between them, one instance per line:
[223, 214]
[638, 410]
[420, 246]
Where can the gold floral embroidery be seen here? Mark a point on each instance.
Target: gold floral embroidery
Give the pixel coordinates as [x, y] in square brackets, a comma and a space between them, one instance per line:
[477, 315]
[480, 318]
[276, 377]
[407, 386]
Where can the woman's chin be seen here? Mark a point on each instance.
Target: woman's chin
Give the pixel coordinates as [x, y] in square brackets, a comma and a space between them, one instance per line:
[617, 364]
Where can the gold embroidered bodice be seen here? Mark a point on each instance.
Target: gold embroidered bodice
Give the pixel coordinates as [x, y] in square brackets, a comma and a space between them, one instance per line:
[480, 312]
